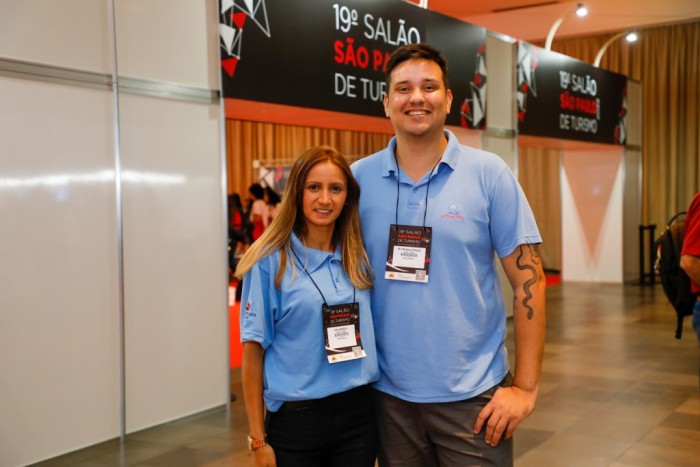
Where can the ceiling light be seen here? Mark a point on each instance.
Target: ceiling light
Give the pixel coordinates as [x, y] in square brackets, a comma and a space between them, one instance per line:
[630, 37]
[580, 11]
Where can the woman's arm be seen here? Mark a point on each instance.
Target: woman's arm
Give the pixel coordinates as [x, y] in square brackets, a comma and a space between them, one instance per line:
[252, 375]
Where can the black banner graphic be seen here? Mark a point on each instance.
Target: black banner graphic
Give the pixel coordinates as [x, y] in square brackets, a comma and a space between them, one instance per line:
[561, 97]
[332, 55]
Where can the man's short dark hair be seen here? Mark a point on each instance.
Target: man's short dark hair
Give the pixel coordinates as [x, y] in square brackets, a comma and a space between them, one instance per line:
[420, 51]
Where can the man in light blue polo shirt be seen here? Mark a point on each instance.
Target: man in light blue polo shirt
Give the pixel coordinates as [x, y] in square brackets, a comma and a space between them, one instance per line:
[435, 214]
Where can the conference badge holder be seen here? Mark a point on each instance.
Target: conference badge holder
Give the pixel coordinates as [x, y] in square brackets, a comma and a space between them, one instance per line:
[408, 255]
[341, 330]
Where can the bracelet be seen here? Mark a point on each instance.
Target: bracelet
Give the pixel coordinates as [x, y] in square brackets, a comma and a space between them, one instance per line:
[254, 443]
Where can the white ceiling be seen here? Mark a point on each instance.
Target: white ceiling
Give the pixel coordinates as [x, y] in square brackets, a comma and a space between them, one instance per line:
[531, 19]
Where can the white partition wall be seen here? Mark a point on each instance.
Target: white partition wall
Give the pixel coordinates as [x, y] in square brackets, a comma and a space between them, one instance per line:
[176, 347]
[169, 42]
[500, 137]
[59, 337]
[62, 350]
[174, 250]
[601, 205]
[591, 199]
[70, 33]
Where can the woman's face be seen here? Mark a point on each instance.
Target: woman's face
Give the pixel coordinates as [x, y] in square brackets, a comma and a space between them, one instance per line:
[325, 192]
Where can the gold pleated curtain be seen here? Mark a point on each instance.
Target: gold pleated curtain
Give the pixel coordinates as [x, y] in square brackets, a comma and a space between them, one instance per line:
[538, 174]
[275, 144]
[667, 62]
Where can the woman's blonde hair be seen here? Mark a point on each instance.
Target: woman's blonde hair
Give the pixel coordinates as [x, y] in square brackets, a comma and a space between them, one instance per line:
[290, 218]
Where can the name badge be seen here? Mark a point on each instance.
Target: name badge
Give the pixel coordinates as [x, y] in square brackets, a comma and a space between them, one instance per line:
[408, 255]
[341, 330]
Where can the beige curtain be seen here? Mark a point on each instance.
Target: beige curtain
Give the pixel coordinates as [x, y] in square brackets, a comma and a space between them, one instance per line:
[538, 173]
[273, 143]
[667, 62]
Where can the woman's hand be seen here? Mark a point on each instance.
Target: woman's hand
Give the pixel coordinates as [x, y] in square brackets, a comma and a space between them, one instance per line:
[264, 456]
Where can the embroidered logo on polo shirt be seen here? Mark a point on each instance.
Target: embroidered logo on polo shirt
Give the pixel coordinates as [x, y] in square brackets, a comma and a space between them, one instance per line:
[248, 313]
[453, 212]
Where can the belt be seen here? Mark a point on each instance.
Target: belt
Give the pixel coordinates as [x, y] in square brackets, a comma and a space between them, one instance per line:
[298, 405]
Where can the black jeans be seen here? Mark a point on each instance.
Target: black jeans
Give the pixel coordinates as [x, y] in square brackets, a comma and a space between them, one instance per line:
[337, 431]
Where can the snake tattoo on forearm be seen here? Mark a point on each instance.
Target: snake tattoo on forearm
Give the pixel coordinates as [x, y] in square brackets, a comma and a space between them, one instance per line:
[535, 259]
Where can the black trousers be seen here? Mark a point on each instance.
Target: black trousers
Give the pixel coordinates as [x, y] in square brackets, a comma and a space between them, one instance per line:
[337, 431]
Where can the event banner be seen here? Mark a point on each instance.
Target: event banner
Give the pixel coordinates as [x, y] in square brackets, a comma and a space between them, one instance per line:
[332, 55]
[561, 97]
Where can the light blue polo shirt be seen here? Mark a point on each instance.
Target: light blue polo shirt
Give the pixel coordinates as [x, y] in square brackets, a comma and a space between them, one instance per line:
[445, 340]
[288, 323]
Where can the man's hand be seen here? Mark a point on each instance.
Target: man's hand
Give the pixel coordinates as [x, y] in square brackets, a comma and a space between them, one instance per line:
[508, 407]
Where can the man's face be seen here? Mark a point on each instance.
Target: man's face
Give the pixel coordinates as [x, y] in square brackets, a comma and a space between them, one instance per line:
[417, 102]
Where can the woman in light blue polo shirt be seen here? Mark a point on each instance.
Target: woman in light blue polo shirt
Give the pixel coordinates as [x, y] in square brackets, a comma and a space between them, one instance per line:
[307, 332]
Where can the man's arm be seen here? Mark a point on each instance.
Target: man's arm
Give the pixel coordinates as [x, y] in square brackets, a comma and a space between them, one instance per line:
[510, 406]
[690, 259]
[691, 265]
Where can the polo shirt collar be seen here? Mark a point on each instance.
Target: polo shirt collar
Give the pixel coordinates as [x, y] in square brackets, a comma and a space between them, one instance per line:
[310, 258]
[452, 152]
[449, 157]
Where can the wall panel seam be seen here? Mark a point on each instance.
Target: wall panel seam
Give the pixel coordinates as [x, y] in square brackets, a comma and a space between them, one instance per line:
[90, 79]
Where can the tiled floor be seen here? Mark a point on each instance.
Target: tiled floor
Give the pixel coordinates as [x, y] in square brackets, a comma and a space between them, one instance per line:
[617, 390]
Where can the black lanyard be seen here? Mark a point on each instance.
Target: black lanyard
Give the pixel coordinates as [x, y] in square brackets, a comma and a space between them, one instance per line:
[312, 279]
[427, 189]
